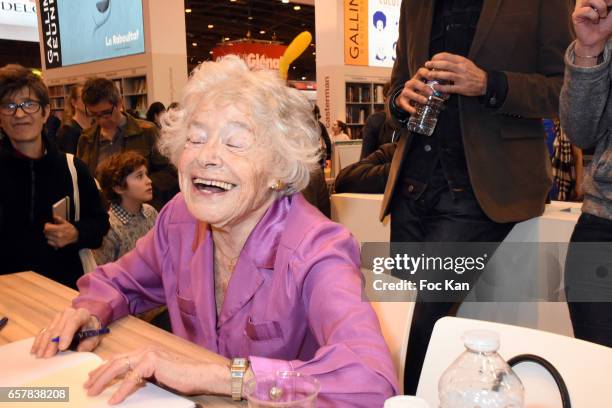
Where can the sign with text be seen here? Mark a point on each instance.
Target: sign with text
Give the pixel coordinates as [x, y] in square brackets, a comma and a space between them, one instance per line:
[257, 55]
[91, 30]
[371, 32]
[18, 20]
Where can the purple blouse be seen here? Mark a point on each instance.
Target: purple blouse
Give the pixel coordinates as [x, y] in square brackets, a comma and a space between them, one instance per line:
[292, 303]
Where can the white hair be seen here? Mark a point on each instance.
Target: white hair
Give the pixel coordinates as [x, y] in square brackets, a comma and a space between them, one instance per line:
[280, 114]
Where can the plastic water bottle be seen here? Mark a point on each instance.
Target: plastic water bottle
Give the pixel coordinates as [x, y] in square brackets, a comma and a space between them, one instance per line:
[480, 378]
[424, 120]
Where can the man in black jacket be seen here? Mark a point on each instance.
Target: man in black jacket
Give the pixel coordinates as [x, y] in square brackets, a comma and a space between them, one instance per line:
[33, 176]
[485, 167]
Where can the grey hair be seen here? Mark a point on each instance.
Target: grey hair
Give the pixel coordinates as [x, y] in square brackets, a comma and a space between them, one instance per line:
[280, 114]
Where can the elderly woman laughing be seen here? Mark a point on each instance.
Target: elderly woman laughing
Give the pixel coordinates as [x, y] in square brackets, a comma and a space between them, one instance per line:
[247, 268]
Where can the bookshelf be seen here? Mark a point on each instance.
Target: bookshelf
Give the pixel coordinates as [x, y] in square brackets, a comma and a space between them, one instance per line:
[133, 90]
[362, 99]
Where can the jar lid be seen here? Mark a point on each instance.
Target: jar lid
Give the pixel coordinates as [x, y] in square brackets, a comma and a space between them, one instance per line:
[483, 341]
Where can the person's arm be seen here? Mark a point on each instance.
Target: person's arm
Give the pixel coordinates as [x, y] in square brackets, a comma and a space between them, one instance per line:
[93, 224]
[132, 284]
[353, 361]
[536, 94]
[585, 111]
[401, 73]
[368, 176]
[109, 250]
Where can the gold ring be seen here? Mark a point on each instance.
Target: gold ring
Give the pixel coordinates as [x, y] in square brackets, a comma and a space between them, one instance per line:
[42, 330]
[132, 375]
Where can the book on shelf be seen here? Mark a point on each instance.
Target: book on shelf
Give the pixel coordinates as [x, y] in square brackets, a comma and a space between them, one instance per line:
[136, 86]
[380, 97]
[365, 94]
[56, 91]
[362, 116]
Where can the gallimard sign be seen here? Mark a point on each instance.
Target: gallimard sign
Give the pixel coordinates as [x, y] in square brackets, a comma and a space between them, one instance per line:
[257, 55]
[18, 20]
[370, 32]
[80, 31]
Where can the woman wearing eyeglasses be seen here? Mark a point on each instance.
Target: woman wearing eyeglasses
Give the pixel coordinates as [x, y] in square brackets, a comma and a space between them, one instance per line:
[34, 175]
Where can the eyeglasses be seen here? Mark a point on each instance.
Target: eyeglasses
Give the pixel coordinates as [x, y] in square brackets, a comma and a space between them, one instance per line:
[105, 114]
[29, 107]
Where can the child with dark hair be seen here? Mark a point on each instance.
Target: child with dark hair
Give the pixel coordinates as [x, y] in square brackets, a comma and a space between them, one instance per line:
[126, 185]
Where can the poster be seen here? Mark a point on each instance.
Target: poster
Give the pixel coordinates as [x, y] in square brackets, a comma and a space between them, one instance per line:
[79, 31]
[371, 32]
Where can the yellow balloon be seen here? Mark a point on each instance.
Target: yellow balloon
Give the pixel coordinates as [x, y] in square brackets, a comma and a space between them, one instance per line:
[293, 51]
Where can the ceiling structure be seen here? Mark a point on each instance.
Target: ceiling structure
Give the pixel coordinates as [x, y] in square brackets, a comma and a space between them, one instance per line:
[210, 22]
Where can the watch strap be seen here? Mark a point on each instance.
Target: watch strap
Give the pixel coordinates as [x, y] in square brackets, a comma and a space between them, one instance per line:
[238, 369]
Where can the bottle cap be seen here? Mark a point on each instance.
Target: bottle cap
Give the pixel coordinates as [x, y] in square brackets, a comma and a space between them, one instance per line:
[483, 341]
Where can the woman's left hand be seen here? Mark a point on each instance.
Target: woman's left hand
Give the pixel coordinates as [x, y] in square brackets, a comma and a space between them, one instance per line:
[171, 370]
[61, 233]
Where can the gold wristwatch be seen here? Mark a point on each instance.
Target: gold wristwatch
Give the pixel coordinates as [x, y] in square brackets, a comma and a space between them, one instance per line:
[238, 368]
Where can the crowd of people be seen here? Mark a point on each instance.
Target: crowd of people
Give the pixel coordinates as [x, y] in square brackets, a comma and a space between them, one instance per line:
[207, 208]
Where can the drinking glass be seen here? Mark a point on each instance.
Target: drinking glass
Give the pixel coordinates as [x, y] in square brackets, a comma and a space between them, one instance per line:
[283, 389]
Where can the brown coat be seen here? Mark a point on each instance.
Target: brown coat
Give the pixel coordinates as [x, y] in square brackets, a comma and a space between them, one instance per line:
[140, 136]
[505, 149]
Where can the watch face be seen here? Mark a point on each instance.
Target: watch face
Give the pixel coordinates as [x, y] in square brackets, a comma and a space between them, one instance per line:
[239, 362]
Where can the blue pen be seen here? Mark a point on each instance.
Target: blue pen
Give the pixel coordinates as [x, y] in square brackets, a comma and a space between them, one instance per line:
[76, 339]
[3, 322]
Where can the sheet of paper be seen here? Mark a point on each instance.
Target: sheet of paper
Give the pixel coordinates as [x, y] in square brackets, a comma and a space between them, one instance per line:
[70, 370]
[20, 367]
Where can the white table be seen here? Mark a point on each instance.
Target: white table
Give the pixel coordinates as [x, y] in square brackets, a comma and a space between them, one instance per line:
[359, 213]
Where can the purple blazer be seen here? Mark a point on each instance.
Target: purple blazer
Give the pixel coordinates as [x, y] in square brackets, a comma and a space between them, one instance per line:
[293, 301]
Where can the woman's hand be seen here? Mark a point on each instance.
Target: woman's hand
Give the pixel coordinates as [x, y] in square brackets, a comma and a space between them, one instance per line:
[593, 26]
[65, 325]
[184, 375]
[61, 233]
